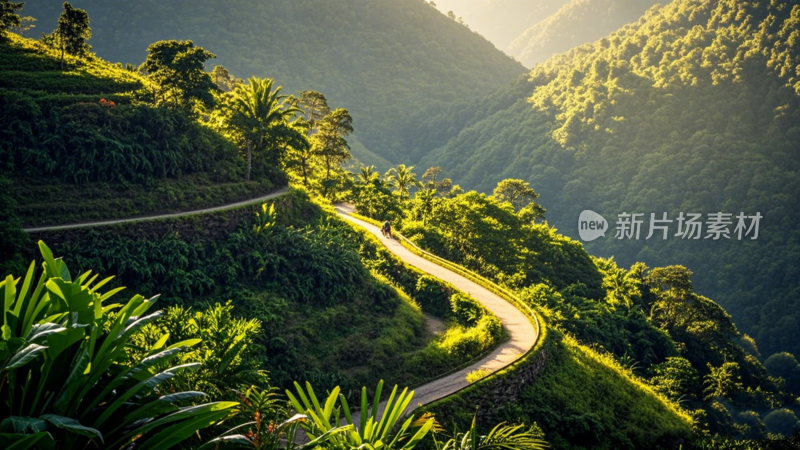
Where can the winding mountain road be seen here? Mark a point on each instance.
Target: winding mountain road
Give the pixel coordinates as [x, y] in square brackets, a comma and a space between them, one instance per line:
[522, 332]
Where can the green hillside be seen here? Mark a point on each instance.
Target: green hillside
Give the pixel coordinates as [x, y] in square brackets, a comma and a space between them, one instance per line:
[84, 143]
[576, 23]
[391, 64]
[694, 108]
[580, 399]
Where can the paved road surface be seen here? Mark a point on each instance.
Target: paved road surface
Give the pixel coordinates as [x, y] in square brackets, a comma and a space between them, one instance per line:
[273, 194]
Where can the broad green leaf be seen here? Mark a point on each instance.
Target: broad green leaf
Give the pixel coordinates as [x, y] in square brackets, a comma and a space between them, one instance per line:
[184, 413]
[179, 432]
[39, 331]
[10, 294]
[23, 298]
[147, 385]
[72, 426]
[19, 424]
[49, 262]
[24, 356]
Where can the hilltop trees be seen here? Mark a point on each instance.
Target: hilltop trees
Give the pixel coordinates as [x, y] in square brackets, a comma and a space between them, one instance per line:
[178, 69]
[331, 146]
[71, 34]
[402, 178]
[8, 16]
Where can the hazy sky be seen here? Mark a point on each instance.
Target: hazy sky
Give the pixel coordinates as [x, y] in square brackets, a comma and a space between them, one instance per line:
[500, 21]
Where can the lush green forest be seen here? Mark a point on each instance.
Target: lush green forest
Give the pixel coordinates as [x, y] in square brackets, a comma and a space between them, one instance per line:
[650, 321]
[576, 23]
[691, 109]
[257, 299]
[392, 64]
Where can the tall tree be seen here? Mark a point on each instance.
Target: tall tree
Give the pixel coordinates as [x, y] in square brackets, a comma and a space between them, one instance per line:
[517, 192]
[178, 67]
[330, 143]
[8, 16]
[429, 177]
[403, 179]
[72, 33]
[316, 107]
[263, 118]
[224, 80]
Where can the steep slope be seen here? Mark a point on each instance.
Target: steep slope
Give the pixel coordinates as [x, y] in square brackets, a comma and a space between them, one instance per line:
[579, 398]
[387, 62]
[576, 23]
[692, 109]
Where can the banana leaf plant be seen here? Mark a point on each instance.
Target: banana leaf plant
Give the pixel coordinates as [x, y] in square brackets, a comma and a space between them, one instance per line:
[370, 431]
[66, 379]
[502, 437]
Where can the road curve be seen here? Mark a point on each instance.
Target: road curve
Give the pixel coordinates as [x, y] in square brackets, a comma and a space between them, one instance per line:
[523, 334]
[271, 195]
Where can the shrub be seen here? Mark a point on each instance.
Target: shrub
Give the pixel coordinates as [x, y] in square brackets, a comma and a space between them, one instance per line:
[782, 421]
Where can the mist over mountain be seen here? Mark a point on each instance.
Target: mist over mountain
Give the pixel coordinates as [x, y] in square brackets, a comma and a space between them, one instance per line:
[501, 21]
[575, 23]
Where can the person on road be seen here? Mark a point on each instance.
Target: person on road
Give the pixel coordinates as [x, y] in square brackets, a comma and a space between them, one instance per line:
[386, 229]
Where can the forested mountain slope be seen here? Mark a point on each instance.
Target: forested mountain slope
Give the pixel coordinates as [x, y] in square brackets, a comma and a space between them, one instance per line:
[692, 109]
[390, 63]
[576, 23]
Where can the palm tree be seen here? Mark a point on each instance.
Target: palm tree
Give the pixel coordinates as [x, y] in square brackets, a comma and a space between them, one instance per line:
[402, 178]
[263, 117]
[367, 175]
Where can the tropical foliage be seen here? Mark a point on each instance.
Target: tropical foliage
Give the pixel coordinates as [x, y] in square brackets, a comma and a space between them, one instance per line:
[68, 379]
